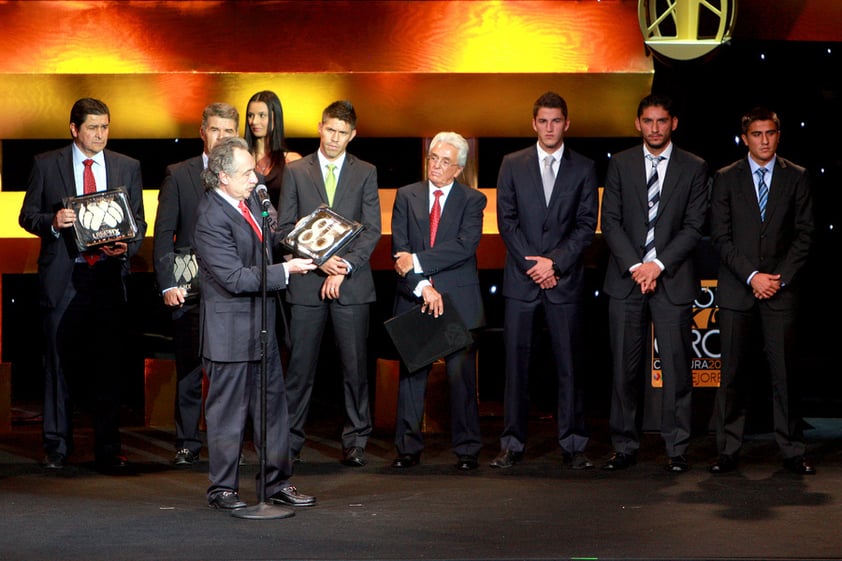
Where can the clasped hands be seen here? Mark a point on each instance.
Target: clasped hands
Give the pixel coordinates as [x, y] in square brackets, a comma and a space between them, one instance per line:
[646, 276]
[542, 272]
[765, 285]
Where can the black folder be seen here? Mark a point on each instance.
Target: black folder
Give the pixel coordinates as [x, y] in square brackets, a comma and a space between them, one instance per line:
[421, 339]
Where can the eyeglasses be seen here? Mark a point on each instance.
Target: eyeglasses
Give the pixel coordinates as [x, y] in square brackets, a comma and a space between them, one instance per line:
[436, 161]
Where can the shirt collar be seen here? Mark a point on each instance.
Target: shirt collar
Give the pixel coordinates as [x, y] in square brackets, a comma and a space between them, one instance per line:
[665, 154]
[556, 155]
[79, 157]
[338, 162]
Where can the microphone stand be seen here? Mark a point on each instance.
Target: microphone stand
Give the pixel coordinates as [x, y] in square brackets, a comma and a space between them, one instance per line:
[263, 510]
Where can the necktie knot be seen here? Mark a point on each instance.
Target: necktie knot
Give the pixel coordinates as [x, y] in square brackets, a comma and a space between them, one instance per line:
[89, 162]
[655, 160]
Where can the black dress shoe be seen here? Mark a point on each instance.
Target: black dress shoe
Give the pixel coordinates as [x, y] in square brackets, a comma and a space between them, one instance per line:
[354, 457]
[506, 459]
[799, 466]
[226, 500]
[406, 461]
[290, 496]
[619, 461]
[577, 461]
[678, 464]
[724, 464]
[54, 461]
[467, 463]
[184, 457]
[112, 463]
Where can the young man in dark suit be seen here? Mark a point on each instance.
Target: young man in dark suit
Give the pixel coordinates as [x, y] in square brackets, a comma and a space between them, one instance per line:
[653, 210]
[762, 225]
[342, 289]
[436, 228]
[83, 296]
[177, 201]
[229, 247]
[546, 213]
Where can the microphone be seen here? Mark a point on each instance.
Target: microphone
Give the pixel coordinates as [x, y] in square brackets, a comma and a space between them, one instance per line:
[263, 195]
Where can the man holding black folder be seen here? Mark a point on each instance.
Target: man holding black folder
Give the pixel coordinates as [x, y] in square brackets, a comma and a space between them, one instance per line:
[436, 228]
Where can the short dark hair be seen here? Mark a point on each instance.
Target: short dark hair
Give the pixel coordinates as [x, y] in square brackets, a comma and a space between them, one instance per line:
[342, 110]
[759, 114]
[87, 106]
[221, 110]
[656, 100]
[220, 159]
[550, 100]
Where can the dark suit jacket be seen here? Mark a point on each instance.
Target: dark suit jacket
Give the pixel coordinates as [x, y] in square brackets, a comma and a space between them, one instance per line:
[681, 216]
[561, 231]
[177, 202]
[745, 244]
[357, 199]
[229, 255]
[50, 182]
[452, 263]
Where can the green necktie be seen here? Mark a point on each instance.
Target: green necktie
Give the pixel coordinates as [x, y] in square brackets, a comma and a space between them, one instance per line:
[330, 184]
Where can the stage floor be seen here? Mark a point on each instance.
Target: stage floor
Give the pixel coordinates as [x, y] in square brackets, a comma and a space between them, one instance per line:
[536, 510]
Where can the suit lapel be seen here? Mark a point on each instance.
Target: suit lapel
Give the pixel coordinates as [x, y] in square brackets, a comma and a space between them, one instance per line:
[317, 178]
[449, 217]
[65, 170]
[668, 183]
[419, 204]
[345, 178]
[533, 170]
[196, 166]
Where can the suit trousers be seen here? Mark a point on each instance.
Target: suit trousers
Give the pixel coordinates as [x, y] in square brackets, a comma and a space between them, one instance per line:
[778, 329]
[522, 318]
[630, 336]
[233, 397]
[350, 329]
[84, 358]
[464, 409]
[189, 374]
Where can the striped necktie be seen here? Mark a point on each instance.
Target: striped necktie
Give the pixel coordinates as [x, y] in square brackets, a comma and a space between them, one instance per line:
[762, 192]
[653, 186]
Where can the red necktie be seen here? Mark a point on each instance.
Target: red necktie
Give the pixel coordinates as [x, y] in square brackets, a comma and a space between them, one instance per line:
[435, 216]
[250, 219]
[89, 186]
[88, 181]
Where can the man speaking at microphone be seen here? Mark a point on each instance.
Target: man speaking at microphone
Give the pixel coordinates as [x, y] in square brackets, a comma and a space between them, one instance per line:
[230, 250]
